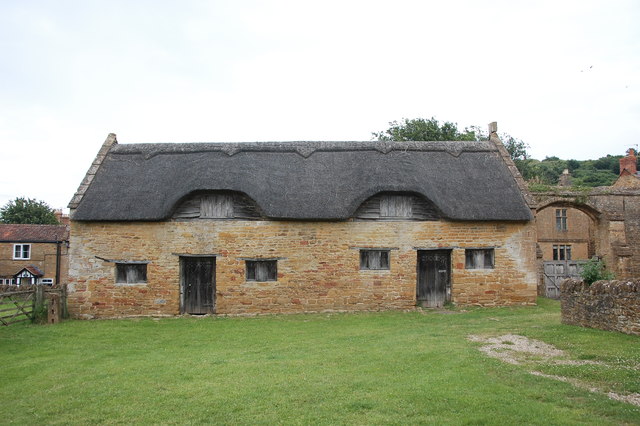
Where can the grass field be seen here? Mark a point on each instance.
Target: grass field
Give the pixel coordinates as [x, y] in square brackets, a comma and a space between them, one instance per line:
[367, 368]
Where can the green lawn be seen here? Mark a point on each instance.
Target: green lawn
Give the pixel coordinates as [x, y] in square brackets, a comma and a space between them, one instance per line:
[367, 368]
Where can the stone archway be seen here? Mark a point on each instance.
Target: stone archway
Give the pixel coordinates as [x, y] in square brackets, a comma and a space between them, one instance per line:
[567, 236]
[570, 225]
[615, 214]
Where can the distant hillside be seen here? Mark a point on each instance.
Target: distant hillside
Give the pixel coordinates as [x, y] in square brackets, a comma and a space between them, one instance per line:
[589, 173]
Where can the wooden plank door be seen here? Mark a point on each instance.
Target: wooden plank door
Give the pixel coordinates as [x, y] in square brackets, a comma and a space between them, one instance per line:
[556, 271]
[434, 278]
[198, 285]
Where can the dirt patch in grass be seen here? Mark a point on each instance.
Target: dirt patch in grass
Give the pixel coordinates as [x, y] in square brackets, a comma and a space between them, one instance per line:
[518, 350]
[514, 349]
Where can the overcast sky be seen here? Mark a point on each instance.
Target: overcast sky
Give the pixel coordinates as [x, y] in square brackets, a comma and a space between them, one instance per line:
[564, 76]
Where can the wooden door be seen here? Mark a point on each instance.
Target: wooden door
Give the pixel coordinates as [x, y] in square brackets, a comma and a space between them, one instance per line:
[556, 271]
[434, 278]
[198, 285]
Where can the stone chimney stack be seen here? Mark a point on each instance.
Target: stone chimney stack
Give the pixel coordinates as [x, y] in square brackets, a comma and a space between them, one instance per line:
[565, 178]
[628, 164]
[62, 218]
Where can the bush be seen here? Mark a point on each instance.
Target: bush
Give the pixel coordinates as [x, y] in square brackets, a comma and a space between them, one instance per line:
[595, 270]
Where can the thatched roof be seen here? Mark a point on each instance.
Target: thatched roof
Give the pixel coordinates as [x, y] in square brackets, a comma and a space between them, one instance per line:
[299, 180]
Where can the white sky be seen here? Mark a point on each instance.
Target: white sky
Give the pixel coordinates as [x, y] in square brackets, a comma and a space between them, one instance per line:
[564, 76]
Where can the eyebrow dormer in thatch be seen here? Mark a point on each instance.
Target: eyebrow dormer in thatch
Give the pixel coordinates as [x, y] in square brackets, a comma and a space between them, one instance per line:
[301, 180]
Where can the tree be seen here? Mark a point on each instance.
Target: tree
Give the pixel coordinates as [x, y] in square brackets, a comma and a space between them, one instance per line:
[518, 150]
[420, 129]
[595, 270]
[29, 211]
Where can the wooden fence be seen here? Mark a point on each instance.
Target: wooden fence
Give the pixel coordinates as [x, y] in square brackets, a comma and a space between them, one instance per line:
[34, 303]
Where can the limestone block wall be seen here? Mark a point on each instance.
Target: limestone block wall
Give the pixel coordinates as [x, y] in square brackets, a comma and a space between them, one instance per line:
[318, 264]
[607, 305]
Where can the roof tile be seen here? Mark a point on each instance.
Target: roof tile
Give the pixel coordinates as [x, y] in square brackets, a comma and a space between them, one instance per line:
[33, 233]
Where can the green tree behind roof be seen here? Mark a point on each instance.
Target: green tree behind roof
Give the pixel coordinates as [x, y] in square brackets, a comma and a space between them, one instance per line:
[421, 129]
[28, 211]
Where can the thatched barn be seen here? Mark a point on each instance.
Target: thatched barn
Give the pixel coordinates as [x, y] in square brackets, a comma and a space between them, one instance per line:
[244, 228]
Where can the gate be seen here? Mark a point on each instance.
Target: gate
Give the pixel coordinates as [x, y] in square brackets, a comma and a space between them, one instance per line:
[555, 271]
[34, 303]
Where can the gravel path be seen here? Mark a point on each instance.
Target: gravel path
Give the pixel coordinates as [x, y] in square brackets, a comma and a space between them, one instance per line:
[517, 350]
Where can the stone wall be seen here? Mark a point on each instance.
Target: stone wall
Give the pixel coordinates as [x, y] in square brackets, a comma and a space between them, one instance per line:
[607, 305]
[318, 264]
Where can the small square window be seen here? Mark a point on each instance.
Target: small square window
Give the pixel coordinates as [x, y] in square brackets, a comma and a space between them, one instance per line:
[374, 260]
[479, 259]
[131, 273]
[22, 251]
[262, 270]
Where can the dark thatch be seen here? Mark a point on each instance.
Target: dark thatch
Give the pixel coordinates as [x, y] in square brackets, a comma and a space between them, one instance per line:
[303, 180]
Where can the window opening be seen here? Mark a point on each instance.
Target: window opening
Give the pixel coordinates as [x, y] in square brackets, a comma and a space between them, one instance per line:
[396, 206]
[262, 270]
[561, 219]
[374, 259]
[217, 206]
[22, 251]
[479, 258]
[131, 273]
[561, 252]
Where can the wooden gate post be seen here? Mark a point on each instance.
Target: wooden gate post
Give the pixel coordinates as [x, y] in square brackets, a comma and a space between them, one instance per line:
[64, 312]
[38, 303]
[53, 312]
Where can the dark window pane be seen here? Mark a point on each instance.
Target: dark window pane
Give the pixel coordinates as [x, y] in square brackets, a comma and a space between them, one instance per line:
[131, 273]
[374, 259]
[488, 259]
[262, 270]
[479, 258]
[561, 219]
[251, 270]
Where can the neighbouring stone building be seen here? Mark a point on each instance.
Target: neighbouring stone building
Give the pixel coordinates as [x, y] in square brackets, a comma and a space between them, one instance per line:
[246, 228]
[576, 225]
[33, 254]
